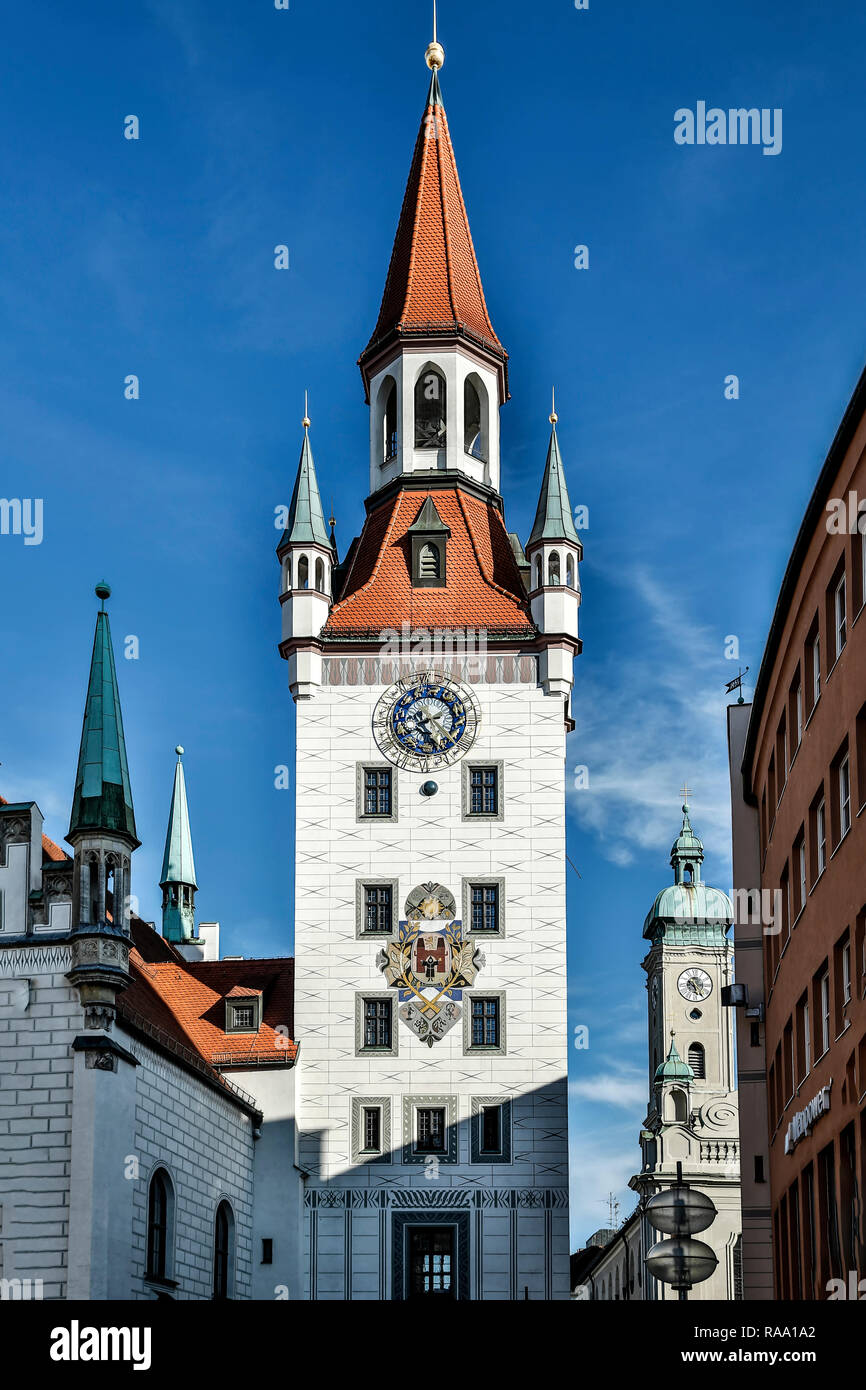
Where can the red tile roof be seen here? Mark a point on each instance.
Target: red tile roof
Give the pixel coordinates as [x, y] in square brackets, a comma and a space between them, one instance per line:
[186, 999]
[434, 283]
[483, 587]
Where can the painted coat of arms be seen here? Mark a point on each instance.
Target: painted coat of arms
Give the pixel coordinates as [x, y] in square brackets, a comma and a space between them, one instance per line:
[429, 965]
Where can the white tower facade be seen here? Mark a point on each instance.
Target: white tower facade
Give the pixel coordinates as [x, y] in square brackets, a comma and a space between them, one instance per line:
[693, 1117]
[430, 861]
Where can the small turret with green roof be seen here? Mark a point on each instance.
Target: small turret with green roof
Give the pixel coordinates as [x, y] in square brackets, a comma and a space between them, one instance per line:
[553, 517]
[673, 1068]
[102, 798]
[178, 881]
[689, 911]
[102, 834]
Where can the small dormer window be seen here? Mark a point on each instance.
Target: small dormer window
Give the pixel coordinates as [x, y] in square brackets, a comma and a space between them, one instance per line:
[428, 536]
[428, 562]
[243, 1015]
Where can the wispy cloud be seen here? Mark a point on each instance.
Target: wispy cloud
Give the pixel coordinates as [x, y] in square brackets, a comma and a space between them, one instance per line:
[646, 723]
[602, 1166]
[628, 1092]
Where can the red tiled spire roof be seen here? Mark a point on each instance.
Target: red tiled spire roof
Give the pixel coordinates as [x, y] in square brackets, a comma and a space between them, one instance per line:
[483, 587]
[434, 284]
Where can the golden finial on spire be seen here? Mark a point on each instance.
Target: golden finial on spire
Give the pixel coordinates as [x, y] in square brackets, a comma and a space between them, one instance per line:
[553, 415]
[685, 793]
[435, 54]
[307, 422]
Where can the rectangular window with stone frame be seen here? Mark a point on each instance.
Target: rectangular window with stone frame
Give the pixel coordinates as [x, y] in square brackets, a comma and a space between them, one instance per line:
[377, 791]
[485, 1023]
[484, 907]
[430, 1130]
[378, 907]
[372, 1129]
[378, 1024]
[483, 791]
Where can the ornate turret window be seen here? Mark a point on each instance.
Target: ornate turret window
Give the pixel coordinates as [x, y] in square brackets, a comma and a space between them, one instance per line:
[474, 421]
[553, 571]
[430, 410]
[389, 421]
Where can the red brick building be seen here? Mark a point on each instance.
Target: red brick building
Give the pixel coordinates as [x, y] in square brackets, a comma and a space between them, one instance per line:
[800, 837]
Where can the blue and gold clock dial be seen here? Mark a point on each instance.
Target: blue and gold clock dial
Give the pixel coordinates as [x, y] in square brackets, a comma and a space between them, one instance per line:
[425, 721]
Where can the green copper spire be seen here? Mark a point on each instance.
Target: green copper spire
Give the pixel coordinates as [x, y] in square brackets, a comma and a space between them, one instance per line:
[103, 799]
[553, 519]
[306, 524]
[673, 1068]
[178, 882]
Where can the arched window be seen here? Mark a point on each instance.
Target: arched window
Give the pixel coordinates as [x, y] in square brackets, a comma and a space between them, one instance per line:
[430, 413]
[680, 1104]
[389, 420]
[320, 576]
[569, 571]
[95, 905]
[698, 1061]
[538, 572]
[429, 562]
[553, 571]
[688, 874]
[303, 573]
[109, 888]
[160, 1211]
[474, 442]
[223, 1251]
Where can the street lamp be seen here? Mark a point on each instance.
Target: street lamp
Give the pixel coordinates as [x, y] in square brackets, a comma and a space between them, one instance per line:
[678, 1212]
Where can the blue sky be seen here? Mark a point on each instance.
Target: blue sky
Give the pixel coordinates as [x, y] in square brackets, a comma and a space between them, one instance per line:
[155, 257]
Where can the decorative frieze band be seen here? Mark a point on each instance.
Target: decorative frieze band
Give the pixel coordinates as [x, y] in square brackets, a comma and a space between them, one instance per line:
[39, 960]
[448, 1198]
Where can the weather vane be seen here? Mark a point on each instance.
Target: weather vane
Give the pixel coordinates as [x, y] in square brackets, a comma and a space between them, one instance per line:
[737, 684]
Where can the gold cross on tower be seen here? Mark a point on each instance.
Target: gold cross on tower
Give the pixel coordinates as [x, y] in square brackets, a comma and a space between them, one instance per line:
[685, 792]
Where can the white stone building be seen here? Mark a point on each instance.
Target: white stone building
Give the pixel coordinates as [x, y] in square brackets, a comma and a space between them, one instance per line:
[692, 1117]
[147, 1128]
[431, 672]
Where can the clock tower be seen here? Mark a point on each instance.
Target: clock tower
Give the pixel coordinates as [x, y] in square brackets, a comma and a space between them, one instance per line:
[431, 672]
[692, 1116]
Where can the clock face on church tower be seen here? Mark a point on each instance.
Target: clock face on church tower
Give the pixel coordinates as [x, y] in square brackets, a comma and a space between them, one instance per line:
[425, 721]
[695, 984]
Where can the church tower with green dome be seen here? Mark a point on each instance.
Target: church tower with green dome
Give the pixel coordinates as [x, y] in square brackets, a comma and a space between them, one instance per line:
[692, 1115]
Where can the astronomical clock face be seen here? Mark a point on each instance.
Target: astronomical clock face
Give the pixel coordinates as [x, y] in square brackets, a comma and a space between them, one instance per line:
[694, 985]
[425, 721]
